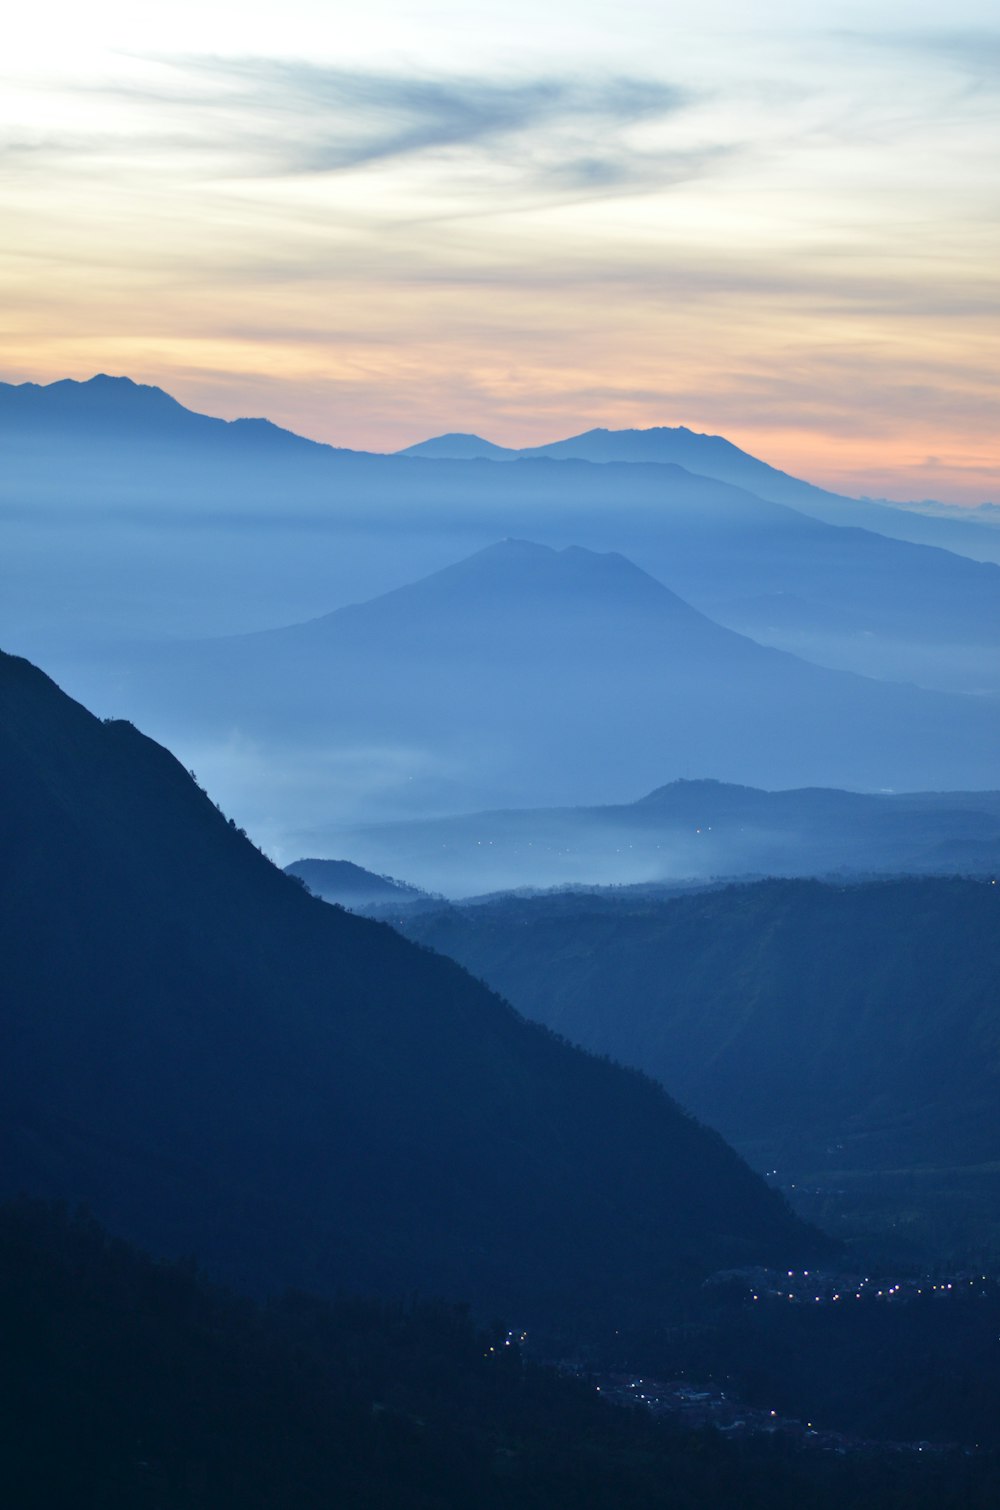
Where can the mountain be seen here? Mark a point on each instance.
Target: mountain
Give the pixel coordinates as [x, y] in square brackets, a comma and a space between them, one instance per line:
[714, 456]
[703, 455]
[831, 1032]
[522, 676]
[459, 447]
[349, 885]
[692, 830]
[133, 529]
[127, 414]
[219, 1064]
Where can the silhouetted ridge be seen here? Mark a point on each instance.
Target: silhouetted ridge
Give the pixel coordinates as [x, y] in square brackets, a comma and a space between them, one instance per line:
[116, 409]
[218, 1063]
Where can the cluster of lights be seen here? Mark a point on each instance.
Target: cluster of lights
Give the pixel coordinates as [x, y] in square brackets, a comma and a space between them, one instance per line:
[887, 1292]
[509, 1341]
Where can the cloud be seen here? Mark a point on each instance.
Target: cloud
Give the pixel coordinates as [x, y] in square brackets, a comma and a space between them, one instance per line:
[289, 117]
[804, 227]
[433, 148]
[973, 51]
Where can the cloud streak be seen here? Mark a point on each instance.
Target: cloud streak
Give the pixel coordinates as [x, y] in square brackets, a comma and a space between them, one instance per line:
[280, 117]
[973, 51]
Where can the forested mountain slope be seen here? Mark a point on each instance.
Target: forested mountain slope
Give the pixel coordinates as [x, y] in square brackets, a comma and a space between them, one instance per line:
[220, 1064]
[846, 1027]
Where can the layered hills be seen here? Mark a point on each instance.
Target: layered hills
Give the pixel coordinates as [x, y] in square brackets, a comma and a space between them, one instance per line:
[524, 675]
[715, 456]
[222, 1065]
[125, 514]
[693, 830]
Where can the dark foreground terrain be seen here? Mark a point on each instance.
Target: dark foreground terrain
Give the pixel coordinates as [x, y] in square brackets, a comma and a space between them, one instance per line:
[230, 1071]
[126, 1383]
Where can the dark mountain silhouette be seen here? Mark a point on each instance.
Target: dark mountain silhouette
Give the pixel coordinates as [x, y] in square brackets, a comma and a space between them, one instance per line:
[220, 1064]
[694, 830]
[820, 1027]
[714, 456]
[349, 885]
[528, 675]
[157, 518]
[117, 410]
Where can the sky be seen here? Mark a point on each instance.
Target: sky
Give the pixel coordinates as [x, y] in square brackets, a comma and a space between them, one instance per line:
[376, 223]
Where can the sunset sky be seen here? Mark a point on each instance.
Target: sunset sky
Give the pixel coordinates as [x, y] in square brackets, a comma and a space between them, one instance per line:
[374, 223]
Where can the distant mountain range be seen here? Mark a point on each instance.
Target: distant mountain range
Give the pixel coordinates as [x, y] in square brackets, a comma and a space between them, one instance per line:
[694, 830]
[221, 1065]
[714, 456]
[529, 676]
[123, 514]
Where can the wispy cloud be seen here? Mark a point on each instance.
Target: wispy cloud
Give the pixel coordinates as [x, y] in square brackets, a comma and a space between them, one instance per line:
[282, 117]
[972, 51]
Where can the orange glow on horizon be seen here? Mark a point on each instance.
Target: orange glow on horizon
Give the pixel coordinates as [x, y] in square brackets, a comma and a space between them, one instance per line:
[773, 230]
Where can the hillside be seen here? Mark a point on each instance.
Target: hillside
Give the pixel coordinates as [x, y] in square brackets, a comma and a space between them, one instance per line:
[219, 1064]
[821, 1028]
[350, 885]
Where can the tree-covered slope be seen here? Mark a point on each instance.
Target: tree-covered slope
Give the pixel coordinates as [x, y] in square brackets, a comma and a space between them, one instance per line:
[838, 1026]
[220, 1064]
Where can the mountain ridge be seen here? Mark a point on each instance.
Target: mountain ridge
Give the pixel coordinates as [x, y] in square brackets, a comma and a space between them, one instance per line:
[232, 528]
[693, 830]
[822, 1026]
[709, 455]
[218, 1063]
[101, 403]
